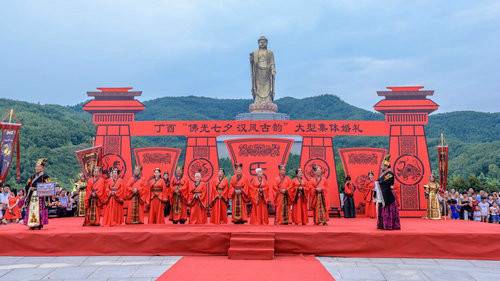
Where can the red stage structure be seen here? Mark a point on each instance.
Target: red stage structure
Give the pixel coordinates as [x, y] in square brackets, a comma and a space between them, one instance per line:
[342, 237]
[406, 111]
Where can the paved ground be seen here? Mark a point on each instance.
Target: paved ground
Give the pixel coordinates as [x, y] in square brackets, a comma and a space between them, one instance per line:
[344, 269]
[149, 268]
[96, 268]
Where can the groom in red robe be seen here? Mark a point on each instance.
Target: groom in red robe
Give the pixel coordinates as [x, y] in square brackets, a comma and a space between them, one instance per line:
[282, 198]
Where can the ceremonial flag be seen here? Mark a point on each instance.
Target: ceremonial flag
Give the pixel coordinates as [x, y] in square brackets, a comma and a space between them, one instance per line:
[88, 159]
[443, 164]
[9, 144]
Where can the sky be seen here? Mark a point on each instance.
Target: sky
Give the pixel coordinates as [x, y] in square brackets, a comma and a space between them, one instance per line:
[56, 51]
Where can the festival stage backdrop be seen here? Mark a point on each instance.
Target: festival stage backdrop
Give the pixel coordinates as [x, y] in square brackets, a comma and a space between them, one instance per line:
[357, 163]
[88, 159]
[150, 158]
[265, 153]
[406, 111]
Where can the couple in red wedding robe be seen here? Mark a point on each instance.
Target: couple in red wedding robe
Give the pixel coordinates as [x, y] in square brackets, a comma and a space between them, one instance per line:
[291, 197]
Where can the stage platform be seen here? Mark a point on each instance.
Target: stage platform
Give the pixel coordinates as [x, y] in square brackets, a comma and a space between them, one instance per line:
[419, 238]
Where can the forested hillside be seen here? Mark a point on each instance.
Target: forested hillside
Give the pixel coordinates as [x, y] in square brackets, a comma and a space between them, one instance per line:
[50, 131]
[55, 132]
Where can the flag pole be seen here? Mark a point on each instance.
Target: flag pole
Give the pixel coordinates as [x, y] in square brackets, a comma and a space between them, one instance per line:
[442, 149]
[10, 115]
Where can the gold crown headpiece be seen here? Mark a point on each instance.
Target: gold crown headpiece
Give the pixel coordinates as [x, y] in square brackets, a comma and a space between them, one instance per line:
[41, 161]
[387, 160]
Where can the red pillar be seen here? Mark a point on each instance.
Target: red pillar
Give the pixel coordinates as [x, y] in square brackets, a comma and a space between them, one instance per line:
[406, 110]
[319, 151]
[113, 110]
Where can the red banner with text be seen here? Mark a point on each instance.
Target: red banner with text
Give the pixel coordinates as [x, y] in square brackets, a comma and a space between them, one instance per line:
[150, 158]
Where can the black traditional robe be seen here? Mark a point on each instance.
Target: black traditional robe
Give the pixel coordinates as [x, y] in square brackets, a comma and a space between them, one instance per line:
[42, 218]
[386, 181]
[388, 216]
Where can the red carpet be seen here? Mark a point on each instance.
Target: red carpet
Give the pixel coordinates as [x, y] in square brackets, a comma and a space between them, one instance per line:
[290, 268]
[342, 237]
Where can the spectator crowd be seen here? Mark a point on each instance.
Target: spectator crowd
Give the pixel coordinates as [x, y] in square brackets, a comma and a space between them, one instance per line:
[13, 209]
[471, 205]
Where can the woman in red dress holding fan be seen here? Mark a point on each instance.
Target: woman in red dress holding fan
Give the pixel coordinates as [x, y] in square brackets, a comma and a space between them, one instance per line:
[259, 192]
[94, 197]
[198, 200]
[115, 193]
[219, 190]
[319, 197]
[157, 194]
[136, 191]
[299, 195]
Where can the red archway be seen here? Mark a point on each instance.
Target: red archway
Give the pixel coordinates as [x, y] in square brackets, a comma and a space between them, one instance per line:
[406, 111]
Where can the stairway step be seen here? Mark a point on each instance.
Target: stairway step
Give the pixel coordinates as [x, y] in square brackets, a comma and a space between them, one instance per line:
[250, 254]
[251, 246]
[251, 235]
[240, 242]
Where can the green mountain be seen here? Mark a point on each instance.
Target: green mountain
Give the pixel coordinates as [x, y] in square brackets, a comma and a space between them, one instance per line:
[199, 108]
[56, 131]
[466, 126]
